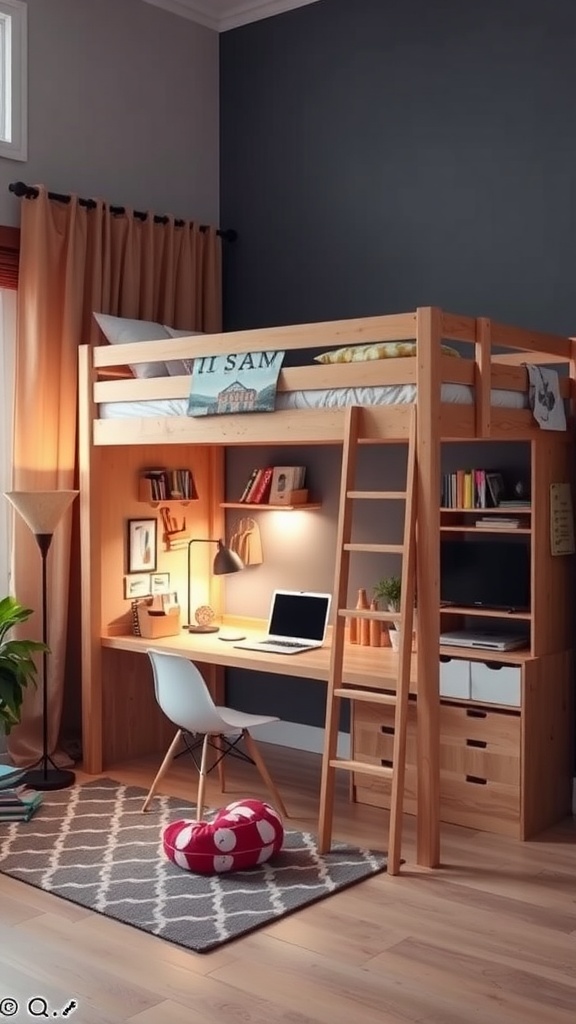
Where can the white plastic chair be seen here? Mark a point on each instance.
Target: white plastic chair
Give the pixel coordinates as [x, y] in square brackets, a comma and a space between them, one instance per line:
[185, 699]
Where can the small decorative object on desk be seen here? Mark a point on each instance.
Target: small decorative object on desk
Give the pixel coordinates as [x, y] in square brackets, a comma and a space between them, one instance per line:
[204, 616]
[355, 634]
[375, 626]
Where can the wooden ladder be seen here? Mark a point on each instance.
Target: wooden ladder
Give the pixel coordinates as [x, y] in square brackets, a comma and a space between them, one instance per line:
[337, 690]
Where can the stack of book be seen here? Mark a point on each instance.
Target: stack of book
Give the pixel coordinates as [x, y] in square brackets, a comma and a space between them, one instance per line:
[498, 522]
[18, 803]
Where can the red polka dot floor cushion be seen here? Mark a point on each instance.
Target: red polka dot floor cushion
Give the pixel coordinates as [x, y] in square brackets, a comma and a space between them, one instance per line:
[242, 835]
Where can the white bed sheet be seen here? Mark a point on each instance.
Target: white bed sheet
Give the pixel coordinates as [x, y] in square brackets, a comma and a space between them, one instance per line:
[332, 398]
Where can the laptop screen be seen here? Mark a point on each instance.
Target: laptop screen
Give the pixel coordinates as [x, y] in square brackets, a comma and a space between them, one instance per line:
[299, 614]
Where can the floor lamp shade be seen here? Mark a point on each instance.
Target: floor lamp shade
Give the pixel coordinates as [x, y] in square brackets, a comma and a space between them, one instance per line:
[42, 511]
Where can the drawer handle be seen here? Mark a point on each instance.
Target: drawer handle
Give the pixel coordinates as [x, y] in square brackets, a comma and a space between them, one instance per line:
[475, 713]
[386, 763]
[388, 730]
[482, 744]
[477, 781]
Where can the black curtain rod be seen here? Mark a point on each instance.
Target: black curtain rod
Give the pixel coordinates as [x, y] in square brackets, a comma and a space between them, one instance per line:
[30, 192]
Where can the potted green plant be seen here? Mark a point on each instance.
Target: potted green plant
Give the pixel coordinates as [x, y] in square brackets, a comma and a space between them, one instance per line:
[388, 589]
[17, 666]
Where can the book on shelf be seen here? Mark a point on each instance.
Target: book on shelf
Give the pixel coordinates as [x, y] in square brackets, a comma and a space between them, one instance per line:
[168, 485]
[260, 492]
[18, 803]
[475, 488]
[498, 522]
[249, 484]
[272, 485]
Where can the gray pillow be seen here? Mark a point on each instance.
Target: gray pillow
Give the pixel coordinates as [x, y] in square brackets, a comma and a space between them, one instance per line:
[180, 367]
[121, 330]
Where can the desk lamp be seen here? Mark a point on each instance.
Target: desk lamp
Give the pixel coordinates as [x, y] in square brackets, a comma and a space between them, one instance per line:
[42, 511]
[225, 562]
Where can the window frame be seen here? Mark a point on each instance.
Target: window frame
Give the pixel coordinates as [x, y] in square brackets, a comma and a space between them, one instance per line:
[14, 65]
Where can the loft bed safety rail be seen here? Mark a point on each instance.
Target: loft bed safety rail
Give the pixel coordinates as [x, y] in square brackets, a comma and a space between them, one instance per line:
[484, 373]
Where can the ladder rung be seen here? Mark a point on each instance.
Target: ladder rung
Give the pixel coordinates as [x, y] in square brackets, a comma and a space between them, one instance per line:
[380, 770]
[373, 696]
[380, 495]
[390, 549]
[369, 613]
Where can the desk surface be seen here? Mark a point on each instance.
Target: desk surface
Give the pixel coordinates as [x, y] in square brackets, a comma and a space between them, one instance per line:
[376, 667]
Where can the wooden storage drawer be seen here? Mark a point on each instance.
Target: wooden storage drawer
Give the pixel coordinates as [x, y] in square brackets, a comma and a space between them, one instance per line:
[480, 769]
[479, 764]
[373, 739]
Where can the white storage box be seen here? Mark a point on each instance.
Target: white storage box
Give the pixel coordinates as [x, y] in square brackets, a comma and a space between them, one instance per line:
[493, 683]
[454, 677]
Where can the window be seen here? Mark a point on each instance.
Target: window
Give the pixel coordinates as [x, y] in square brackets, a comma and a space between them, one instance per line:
[13, 80]
[7, 360]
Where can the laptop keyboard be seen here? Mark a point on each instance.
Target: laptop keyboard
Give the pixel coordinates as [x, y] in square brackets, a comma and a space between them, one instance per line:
[284, 643]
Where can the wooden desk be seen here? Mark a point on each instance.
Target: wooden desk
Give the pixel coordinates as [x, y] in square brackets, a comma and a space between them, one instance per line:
[373, 666]
[125, 722]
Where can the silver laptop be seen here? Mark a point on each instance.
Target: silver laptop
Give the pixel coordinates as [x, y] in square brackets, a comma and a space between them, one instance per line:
[298, 621]
[484, 641]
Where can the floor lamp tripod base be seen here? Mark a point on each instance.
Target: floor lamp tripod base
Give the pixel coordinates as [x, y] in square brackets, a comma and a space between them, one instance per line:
[49, 778]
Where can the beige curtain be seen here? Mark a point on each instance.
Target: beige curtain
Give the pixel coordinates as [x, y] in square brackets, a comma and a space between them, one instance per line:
[73, 261]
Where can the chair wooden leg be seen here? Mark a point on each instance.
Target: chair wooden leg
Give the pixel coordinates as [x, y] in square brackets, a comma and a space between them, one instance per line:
[202, 780]
[220, 766]
[163, 768]
[259, 762]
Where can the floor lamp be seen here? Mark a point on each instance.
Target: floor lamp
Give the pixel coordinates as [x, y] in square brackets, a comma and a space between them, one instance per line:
[225, 562]
[42, 511]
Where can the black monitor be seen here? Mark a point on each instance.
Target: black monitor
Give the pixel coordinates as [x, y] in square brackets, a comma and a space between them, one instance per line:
[492, 574]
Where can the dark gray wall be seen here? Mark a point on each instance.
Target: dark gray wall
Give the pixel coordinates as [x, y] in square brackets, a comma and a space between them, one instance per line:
[383, 154]
[377, 156]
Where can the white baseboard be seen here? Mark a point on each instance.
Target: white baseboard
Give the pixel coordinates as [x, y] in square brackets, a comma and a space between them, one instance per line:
[299, 737]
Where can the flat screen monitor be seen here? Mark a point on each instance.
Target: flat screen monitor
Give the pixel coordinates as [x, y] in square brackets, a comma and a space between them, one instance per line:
[485, 574]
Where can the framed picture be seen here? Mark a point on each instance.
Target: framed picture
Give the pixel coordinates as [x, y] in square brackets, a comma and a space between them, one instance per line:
[495, 484]
[160, 583]
[142, 545]
[137, 585]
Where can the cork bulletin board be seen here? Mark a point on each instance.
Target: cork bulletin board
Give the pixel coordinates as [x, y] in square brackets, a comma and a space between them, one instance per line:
[561, 520]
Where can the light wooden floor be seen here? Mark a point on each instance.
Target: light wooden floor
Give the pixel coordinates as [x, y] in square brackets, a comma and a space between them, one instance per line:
[490, 938]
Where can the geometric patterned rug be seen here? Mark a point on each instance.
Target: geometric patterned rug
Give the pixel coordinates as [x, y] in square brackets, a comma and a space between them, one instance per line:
[92, 845]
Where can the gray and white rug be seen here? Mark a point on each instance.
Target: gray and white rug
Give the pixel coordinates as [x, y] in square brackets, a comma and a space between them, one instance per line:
[92, 845]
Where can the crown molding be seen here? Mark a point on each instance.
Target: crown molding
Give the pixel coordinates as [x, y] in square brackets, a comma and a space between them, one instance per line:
[185, 9]
[240, 12]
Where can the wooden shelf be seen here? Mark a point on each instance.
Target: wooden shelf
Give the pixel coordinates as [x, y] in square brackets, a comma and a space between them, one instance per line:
[485, 529]
[516, 657]
[265, 507]
[498, 510]
[145, 486]
[488, 613]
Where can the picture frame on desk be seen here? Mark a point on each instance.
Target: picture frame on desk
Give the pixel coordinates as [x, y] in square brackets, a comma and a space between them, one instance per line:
[160, 583]
[136, 585]
[142, 545]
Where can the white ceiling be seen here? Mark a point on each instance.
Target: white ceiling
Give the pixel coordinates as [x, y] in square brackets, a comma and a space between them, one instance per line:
[222, 15]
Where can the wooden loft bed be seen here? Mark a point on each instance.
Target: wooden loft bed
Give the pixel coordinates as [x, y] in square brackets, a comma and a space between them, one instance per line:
[113, 440]
[428, 371]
